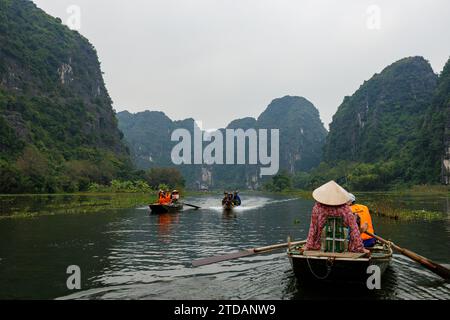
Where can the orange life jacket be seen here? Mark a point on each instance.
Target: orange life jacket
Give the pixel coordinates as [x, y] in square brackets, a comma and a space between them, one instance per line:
[364, 215]
[162, 199]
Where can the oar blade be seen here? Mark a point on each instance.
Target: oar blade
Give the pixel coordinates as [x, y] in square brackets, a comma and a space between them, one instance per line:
[243, 253]
[191, 205]
[230, 256]
[438, 269]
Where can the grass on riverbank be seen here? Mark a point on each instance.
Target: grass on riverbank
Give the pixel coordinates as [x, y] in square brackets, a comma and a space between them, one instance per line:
[424, 190]
[26, 206]
[32, 205]
[388, 204]
[385, 207]
[384, 204]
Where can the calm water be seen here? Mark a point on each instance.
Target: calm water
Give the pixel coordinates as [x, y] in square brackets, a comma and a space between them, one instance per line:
[130, 254]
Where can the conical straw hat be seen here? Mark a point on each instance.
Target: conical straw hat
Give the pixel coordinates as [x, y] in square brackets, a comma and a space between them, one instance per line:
[331, 194]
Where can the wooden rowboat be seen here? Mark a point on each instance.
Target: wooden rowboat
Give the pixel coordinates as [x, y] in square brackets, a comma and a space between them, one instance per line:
[320, 266]
[165, 208]
[228, 206]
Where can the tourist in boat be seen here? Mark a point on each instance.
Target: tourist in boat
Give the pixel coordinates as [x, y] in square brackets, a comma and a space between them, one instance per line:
[331, 201]
[161, 197]
[364, 221]
[168, 199]
[236, 199]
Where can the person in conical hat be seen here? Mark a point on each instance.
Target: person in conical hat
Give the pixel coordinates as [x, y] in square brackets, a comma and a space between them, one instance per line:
[331, 200]
[331, 194]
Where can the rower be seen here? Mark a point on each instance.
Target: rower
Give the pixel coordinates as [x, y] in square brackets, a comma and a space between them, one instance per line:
[225, 197]
[175, 196]
[364, 221]
[236, 199]
[331, 201]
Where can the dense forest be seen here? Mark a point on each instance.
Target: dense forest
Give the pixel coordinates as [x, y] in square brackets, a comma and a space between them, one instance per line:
[431, 154]
[57, 127]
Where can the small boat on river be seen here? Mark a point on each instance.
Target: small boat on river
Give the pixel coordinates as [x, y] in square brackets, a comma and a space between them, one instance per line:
[321, 266]
[165, 208]
[228, 206]
[231, 200]
[333, 261]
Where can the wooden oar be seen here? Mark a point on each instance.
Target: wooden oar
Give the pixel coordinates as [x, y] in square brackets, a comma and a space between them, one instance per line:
[427, 263]
[243, 253]
[191, 205]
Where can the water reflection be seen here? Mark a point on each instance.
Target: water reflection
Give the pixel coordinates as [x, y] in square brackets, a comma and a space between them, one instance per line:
[229, 215]
[165, 225]
[131, 254]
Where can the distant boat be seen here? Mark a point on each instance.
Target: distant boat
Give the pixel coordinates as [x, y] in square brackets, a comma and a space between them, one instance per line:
[320, 266]
[165, 208]
[229, 205]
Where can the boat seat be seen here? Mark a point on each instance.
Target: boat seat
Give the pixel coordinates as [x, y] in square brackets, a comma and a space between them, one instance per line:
[348, 255]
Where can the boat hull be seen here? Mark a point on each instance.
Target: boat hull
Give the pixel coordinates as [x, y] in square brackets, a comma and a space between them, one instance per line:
[337, 269]
[227, 207]
[165, 208]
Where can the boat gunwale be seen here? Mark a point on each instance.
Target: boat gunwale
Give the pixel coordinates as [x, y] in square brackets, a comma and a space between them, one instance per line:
[167, 208]
[383, 258]
[166, 205]
[298, 256]
[229, 207]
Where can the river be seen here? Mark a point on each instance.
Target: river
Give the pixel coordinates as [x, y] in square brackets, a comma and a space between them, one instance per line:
[131, 254]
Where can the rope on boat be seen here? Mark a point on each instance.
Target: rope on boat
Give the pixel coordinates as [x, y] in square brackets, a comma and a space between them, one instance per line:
[329, 264]
[389, 244]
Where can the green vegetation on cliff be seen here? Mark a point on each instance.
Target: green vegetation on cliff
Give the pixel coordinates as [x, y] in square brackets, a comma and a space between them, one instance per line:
[302, 134]
[392, 132]
[375, 137]
[434, 137]
[381, 119]
[57, 126]
[59, 132]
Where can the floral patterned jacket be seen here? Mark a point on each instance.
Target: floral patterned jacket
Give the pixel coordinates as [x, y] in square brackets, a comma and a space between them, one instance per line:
[320, 212]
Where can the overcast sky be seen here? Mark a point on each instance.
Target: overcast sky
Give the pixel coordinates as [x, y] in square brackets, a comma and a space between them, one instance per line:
[218, 60]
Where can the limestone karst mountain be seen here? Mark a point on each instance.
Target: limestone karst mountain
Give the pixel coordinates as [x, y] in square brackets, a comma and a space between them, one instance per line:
[302, 135]
[57, 125]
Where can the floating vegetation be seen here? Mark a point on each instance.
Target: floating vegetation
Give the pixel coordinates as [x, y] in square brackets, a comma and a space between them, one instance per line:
[422, 190]
[395, 210]
[28, 206]
[419, 203]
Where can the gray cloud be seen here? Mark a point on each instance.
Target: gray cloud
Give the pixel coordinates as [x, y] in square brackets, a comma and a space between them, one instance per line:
[216, 60]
